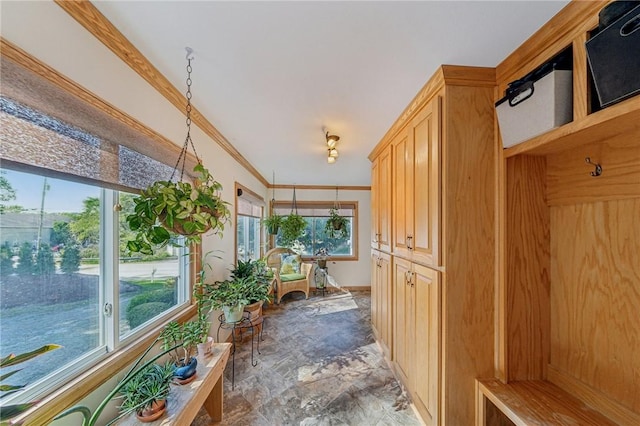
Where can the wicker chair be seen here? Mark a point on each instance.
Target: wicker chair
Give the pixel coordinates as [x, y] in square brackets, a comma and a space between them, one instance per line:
[286, 283]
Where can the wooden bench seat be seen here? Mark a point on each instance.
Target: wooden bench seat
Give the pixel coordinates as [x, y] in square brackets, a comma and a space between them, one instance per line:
[534, 402]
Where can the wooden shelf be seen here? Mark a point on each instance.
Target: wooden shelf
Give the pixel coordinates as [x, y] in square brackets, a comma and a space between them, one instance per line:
[609, 122]
[536, 402]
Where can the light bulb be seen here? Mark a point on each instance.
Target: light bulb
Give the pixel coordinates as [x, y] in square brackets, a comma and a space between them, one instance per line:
[331, 160]
[333, 153]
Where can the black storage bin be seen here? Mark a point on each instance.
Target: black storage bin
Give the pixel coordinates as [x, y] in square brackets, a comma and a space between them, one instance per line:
[614, 58]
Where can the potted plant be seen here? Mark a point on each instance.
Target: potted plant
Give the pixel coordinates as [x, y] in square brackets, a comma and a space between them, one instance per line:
[184, 338]
[322, 256]
[10, 411]
[258, 281]
[272, 223]
[292, 228]
[337, 226]
[146, 393]
[230, 296]
[168, 207]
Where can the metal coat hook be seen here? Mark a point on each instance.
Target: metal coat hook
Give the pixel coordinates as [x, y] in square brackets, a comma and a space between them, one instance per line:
[598, 167]
[189, 53]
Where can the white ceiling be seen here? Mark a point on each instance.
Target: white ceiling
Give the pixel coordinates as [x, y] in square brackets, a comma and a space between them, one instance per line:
[271, 75]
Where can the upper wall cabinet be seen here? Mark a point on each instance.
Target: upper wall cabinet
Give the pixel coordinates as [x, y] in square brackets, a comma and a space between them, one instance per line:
[416, 187]
[381, 202]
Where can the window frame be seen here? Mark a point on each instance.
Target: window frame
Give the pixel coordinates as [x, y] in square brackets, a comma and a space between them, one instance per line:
[110, 342]
[244, 192]
[318, 204]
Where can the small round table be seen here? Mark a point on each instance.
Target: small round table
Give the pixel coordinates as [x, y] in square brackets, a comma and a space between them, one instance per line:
[245, 323]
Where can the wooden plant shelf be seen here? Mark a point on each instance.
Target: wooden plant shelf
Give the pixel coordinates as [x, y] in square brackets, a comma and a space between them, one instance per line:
[535, 402]
[618, 119]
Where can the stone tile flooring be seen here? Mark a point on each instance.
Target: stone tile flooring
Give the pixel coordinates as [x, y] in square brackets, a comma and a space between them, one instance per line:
[319, 365]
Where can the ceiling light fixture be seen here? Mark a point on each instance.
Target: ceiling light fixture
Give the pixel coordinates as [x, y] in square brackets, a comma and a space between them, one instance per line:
[332, 152]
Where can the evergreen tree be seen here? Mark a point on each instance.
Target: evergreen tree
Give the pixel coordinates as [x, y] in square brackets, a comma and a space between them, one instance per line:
[70, 260]
[25, 264]
[6, 264]
[45, 264]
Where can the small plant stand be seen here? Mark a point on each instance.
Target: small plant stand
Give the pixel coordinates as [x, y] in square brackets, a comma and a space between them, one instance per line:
[239, 326]
[321, 278]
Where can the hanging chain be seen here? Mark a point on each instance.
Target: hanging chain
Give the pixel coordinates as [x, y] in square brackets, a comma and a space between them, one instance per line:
[187, 141]
[336, 205]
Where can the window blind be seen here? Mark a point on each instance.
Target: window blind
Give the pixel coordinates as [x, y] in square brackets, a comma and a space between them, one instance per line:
[34, 139]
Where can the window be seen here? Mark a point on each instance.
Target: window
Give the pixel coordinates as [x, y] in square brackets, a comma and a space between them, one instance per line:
[316, 214]
[249, 210]
[65, 275]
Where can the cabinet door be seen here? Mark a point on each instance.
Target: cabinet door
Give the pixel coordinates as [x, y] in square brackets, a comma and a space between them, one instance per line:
[402, 194]
[385, 307]
[375, 210]
[384, 200]
[425, 283]
[375, 293]
[403, 321]
[423, 231]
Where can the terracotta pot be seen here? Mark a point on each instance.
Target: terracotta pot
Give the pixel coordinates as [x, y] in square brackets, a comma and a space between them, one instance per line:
[152, 413]
[254, 309]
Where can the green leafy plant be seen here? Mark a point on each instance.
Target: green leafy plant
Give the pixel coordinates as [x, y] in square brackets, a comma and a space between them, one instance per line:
[9, 411]
[149, 387]
[272, 223]
[337, 226]
[258, 278]
[291, 228]
[231, 292]
[168, 207]
[184, 338]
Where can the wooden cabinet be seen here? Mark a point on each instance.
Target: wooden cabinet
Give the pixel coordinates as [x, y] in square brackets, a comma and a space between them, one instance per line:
[382, 300]
[416, 333]
[416, 187]
[443, 200]
[381, 202]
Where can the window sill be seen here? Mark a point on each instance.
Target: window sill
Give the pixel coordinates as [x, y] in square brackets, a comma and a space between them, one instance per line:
[82, 385]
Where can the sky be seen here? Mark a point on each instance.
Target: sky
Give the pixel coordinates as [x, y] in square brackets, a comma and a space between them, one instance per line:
[62, 196]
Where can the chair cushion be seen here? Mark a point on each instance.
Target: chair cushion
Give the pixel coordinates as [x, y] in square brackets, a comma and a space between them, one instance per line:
[292, 277]
[290, 264]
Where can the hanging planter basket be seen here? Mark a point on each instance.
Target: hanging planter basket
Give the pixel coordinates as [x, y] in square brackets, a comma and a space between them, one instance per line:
[167, 208]
[337, 226]
[292, 227]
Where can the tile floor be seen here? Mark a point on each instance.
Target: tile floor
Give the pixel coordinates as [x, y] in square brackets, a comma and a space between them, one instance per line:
[319, 365]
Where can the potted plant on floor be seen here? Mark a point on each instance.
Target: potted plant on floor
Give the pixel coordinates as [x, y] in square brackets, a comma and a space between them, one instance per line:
[147, 392]
[167, 208]
[337, 226]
